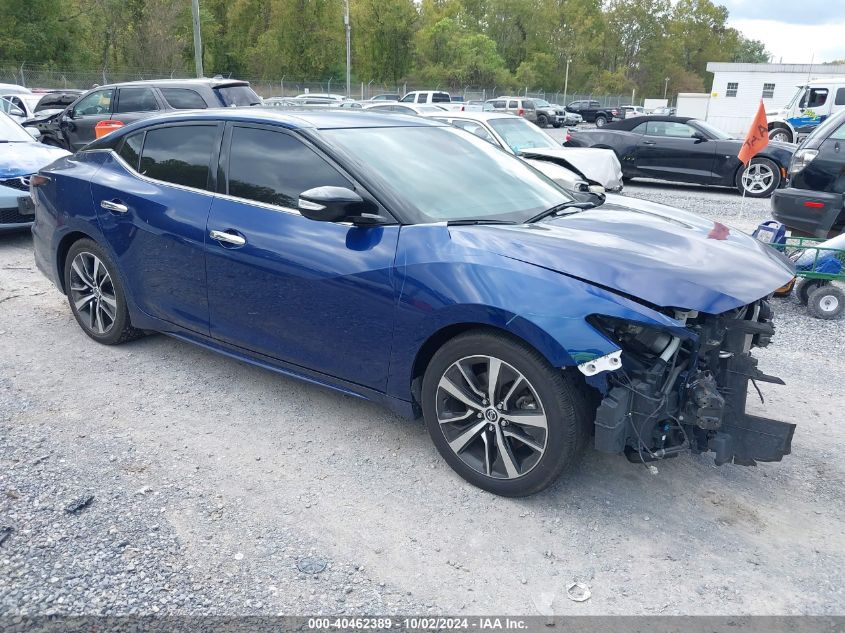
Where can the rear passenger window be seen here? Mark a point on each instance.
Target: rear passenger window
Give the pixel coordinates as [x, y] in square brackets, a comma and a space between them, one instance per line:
[840, 97]
[274, 168]
[440, 97]
[130, 151]
[136, 100]
[183, 98]
[179, 154]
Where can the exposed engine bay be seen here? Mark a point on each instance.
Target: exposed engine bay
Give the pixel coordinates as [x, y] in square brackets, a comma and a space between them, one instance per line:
[665, 393]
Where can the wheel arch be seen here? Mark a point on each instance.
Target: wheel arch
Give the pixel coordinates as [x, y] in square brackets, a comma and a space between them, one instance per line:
[537, 340]
[62, 249]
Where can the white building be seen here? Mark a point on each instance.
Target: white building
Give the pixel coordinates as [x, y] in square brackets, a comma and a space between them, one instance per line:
[738, 88]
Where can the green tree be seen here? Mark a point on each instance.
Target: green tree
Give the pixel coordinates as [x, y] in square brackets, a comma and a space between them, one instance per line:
[382, 38]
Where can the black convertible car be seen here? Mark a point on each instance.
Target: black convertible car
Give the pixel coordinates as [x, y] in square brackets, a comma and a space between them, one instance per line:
[684, 149]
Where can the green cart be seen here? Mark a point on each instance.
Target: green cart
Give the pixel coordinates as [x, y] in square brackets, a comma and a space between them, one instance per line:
[816, 268]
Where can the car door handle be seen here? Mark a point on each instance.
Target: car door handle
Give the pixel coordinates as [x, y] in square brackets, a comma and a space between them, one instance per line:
[228, 238]
[649, 142]
[117, 207]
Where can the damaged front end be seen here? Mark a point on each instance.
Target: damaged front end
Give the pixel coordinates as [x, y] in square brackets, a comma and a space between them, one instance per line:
[672, 391]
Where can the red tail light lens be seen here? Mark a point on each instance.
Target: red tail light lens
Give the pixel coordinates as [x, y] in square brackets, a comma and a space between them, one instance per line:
[104, 127]
[814, 205]
[521, 112]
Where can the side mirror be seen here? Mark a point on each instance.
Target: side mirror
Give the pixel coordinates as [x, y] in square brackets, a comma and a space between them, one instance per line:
[699, 136]
[16, 111]
[337, 204]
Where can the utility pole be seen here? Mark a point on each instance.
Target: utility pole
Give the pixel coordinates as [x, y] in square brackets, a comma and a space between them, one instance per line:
[348, 46]
[197, 37]
[566, 81]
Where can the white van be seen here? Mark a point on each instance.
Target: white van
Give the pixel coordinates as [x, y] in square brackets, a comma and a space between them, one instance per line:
[811, 104]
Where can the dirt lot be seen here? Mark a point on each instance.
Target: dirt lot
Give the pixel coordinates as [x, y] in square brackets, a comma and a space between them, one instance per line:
[214, 482]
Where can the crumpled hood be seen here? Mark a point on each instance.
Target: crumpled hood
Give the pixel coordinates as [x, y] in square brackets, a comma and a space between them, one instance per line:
[600, 165]
[649, 251]
[23, 159]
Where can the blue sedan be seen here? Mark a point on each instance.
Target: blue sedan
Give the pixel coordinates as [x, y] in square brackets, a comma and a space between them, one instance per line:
[411, 263]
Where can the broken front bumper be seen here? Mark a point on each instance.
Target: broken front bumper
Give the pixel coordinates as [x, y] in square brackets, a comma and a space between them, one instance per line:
[665, 394]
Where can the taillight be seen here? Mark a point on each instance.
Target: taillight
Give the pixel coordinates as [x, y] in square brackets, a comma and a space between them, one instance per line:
[814, 205]
[568, 137]
[38, 180]
[521, 112]
[105, 127]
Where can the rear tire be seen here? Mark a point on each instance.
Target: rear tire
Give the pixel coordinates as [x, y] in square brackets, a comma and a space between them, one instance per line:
[601, 120]
[759, 179]
[826, 302]
[479, 437]
[95, 294]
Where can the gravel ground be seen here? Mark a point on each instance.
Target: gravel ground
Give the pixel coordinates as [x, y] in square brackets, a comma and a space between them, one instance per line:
[213, 482]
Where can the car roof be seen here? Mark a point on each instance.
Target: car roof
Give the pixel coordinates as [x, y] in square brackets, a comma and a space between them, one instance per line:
[175, 83]
[334, 118]
[630, 124]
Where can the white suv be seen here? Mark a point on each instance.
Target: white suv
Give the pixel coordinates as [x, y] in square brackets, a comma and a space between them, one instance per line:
[426, 96]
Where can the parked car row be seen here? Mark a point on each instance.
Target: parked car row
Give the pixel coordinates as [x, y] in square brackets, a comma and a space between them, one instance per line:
[402, 260]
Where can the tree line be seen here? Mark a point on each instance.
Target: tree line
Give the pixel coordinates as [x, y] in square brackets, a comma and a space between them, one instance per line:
[612, 46]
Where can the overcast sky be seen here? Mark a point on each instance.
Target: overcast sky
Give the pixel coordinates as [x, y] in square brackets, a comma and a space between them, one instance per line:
[795, 30]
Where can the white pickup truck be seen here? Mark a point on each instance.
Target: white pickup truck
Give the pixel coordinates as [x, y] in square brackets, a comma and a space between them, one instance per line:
[436, 97]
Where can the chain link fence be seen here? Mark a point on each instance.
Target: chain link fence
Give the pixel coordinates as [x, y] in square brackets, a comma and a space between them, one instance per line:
[39, 76]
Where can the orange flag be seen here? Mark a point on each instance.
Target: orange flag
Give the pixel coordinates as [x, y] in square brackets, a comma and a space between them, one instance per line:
[757, 137]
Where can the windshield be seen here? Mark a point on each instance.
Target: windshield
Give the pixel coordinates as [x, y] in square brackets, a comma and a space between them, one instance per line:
[443, 173]
[708, 129]
[11, 132]
[795, 97]
[519, 134]
[237, 96]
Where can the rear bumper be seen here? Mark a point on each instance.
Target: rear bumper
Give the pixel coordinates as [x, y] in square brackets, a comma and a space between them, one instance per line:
[811, 212]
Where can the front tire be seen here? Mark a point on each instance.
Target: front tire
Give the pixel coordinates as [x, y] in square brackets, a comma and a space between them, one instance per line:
[780, 134]
[95, 294]
[542, 121]
[500, 415]
[759, 179]
[601, 120]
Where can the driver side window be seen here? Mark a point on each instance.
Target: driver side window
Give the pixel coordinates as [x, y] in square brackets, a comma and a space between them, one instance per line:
[670, 129]
[98, 102]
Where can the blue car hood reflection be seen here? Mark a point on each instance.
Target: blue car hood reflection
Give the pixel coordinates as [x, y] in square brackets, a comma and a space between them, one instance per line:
[648, 251]
[23, 159]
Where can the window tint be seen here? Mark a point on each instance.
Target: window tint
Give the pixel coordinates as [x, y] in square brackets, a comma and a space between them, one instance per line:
[768, 91]
[237, 96]
[98, 102]
[274, 168]
[840, 97]
[512, 105]
[640, 129]
[440, 97]
[183, 98]
[179, 154]
[670, 129]
[732, 88]
[402, 109]
[528, 104]
[421, 98]
[131, 149]
[409, 98]
[136, 100]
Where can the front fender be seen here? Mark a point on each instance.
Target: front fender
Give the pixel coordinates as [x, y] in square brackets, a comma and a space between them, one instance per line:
[443, 284]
